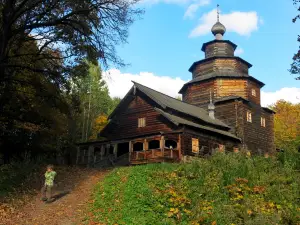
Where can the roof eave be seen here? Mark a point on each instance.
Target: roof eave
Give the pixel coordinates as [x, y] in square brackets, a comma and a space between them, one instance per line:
[219, 57]
[268, 110]
[261, 84]
[210, 42]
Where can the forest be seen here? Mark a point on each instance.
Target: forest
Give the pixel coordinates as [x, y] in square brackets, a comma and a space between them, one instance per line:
[52, 54]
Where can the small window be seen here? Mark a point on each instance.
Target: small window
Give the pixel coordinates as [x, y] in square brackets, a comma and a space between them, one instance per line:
[249, 116]
[253, 92]
[263, 122]
[221, 148]
[195, 145]
[142, 122]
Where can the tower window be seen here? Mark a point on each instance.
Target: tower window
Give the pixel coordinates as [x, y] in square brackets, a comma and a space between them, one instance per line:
[249, 117]
[142, 122]
[195, 145]
[263, 122]
[253, 91]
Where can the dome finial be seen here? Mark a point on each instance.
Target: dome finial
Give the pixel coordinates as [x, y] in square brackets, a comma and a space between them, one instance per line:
[218, 29]
[218, 13]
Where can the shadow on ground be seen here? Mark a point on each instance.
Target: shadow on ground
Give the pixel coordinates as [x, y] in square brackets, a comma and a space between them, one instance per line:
[60, 195]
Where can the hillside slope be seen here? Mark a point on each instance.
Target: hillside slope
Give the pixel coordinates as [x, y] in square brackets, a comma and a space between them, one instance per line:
[226, 189]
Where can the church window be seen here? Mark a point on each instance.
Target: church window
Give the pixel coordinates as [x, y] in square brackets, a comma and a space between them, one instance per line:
[263, 122]
[249, 116]
[142, 122]
[195, 145]
[253, 92]
[221, 148]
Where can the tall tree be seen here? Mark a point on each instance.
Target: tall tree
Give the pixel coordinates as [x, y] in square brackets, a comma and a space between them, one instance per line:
[95, 100]
[287, 125]
[42, 46]
[70, 30]
[295, 66]
[35, 111]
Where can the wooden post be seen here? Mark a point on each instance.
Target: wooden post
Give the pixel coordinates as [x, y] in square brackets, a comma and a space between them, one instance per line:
[102, 152]
[130, 150]
[162, 145]
[179, 147]
[90, 155]
[77, 155]
[145, 148]
[115, 150]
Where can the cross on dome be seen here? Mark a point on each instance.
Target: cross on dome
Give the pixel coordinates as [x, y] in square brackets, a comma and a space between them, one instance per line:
[218, 29]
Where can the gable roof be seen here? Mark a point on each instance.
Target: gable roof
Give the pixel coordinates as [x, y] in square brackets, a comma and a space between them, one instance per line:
[178, 120]
[166, 101]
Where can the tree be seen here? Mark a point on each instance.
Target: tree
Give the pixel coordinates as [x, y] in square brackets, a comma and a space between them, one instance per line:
[66, 31]
[42, 47]
[295, 66]
[99, 123]
[95, 101]
[35, 114]
[287, 125]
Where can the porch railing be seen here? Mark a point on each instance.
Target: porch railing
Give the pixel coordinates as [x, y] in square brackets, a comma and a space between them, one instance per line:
[155, 154]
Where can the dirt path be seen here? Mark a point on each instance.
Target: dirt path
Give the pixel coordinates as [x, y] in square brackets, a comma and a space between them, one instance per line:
[71, 198]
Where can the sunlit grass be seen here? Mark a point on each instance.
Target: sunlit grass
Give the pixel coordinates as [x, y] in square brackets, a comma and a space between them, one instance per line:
[226, 189]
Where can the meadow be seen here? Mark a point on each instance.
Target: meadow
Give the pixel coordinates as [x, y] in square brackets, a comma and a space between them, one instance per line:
[226, 189]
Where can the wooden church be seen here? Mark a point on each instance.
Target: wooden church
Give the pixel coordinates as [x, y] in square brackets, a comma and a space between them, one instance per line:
[220, 111]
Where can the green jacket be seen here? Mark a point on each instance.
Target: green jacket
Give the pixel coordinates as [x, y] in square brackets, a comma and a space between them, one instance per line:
[49, 181]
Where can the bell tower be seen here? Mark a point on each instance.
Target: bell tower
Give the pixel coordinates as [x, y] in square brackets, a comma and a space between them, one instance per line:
[220, 71]
[224, 78]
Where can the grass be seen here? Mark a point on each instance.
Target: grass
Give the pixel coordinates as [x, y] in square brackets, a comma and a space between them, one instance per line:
[226, 189]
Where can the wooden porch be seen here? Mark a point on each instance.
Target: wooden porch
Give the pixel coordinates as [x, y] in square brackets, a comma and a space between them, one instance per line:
[154, 156]
[164, 148]
[152, 149]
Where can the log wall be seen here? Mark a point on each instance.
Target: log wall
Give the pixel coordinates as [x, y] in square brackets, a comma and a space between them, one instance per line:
[220, 64]
[198, 93]
[258, 139]
[219, 49]
[251, 85]
[254, 137]
[126, 124]
[209, 142]
[230, 87]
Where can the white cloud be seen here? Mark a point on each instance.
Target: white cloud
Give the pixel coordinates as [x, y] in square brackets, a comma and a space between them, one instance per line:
[192, 9]
[151, 2]
[239, 51]
[290, 94]
[243, 23]
[120, 83]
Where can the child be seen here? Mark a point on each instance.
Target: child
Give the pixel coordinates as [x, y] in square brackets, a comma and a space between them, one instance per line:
[49, 182]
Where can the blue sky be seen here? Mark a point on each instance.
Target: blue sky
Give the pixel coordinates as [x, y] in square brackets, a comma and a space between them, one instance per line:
[168, 39]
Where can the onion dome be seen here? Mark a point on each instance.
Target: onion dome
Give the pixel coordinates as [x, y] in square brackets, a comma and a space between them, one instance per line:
[218, 29]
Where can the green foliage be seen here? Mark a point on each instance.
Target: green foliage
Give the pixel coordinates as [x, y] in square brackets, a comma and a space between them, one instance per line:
[226, 189]
[42, 53]
[287, 125]
[95, 101]
[14, 175]
[295, 66]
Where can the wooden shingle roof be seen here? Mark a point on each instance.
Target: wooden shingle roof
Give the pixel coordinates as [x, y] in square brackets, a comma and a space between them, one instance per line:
[166, 101]
[179, 120]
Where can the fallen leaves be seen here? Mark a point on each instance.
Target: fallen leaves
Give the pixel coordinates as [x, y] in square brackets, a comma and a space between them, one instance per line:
[68, 208]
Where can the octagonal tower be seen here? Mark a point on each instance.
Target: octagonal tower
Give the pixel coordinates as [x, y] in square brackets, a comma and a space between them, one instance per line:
[235, 93]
